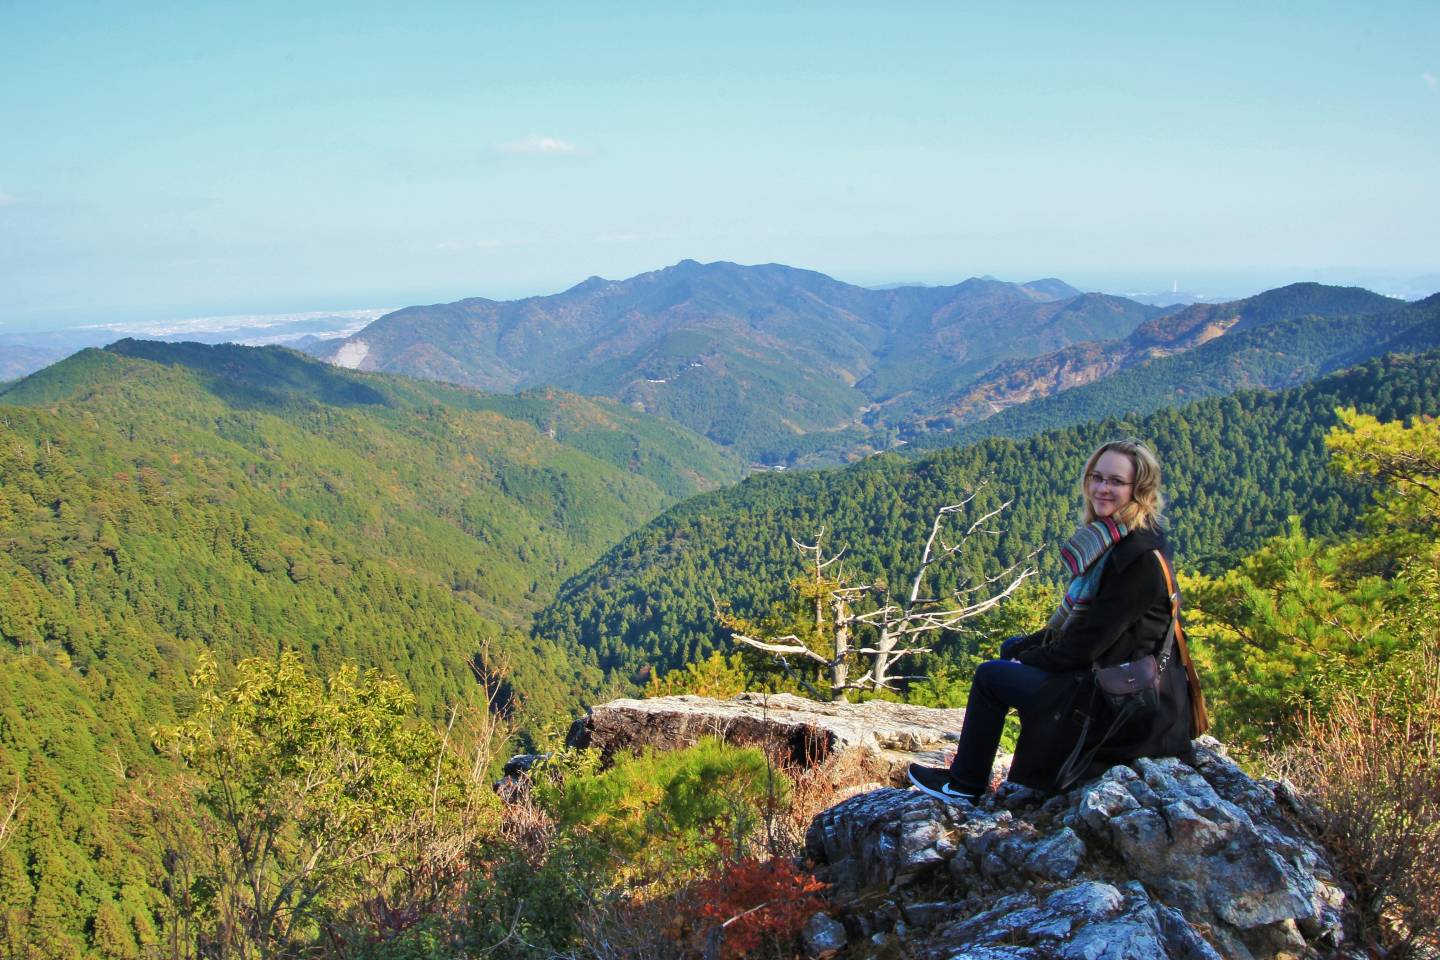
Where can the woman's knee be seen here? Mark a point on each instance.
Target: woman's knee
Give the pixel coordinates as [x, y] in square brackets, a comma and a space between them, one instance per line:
[990, 671]
[1011, 683]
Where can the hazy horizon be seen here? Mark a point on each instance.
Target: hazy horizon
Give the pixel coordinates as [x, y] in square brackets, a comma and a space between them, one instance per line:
[261, 313]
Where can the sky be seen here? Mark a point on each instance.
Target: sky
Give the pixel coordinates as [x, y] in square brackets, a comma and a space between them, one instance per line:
[161, 161]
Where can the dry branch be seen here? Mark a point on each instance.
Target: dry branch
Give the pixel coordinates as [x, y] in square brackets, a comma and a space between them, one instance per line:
[892, 626]
[11, 810]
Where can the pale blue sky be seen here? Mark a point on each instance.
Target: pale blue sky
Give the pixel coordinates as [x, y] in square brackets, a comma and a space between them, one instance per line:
[165, 160]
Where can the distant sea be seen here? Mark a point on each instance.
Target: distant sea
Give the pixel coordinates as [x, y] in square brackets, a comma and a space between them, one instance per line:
[22, 352]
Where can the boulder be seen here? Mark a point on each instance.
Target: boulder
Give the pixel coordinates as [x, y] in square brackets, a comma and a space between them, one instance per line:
[805, 731]
[1153, 859]
[823, 937]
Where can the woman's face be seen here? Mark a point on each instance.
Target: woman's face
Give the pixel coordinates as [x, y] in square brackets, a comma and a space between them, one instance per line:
[1110, 484]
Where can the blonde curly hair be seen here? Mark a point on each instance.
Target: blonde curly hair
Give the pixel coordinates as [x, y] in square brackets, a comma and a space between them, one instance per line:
[1144, 511]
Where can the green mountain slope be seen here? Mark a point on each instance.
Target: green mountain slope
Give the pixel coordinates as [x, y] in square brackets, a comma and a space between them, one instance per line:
[1269, 349]
[753, 357]
[677, 460]
[244, 501]
[1237, 466]
[1027, 380]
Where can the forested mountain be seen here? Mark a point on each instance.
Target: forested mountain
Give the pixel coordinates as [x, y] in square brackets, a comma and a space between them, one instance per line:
[677, 460]
[752, 357]
[158, 501]
[1021, 381]
[1282, 346]
[1236, 468]
[787, 366]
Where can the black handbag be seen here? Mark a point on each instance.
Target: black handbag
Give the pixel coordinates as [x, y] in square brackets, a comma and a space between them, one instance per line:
[1131, 687]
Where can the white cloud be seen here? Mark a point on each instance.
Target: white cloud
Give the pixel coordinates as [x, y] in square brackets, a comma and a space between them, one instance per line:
[533, 144]
[1431, 80]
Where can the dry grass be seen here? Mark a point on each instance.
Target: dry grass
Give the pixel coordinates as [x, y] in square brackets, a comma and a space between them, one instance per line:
[1372, 768]
[814, 788]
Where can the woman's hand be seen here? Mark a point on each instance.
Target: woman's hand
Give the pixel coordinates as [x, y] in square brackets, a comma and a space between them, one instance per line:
[1011, 647]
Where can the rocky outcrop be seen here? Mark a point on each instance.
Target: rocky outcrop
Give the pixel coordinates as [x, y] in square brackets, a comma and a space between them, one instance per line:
[1155, 859]
[805, 730]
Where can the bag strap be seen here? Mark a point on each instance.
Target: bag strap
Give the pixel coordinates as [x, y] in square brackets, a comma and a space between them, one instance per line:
[1079, 759]
[1199, 716]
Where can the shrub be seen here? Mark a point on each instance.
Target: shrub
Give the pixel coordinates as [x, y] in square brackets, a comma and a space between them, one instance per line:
[663, 809]
[749, 906]
[319, 806]
[716, 676]
[1371, 766]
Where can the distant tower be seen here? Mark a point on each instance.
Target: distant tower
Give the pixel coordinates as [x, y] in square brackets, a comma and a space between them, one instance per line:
[1174, 286]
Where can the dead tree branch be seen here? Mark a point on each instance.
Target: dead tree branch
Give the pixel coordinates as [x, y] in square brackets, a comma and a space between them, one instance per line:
[9, 811]
[861, 620]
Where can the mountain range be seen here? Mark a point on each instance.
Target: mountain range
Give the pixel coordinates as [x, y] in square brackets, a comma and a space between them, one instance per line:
[791, 367]
[1020, 381]
[753, 357]
[160, 502]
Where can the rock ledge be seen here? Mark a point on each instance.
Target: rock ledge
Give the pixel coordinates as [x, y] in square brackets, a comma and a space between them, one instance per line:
[806, 730]
[1155, 859]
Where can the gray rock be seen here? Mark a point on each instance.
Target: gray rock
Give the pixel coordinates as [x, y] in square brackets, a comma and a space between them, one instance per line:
[1003, 917]
[1134, 936]
[807, 730]
[1182, 942]
[1013, 796]
[1158, 859]
[824, 936]
[886, 838]
[926, 913]
[1057, 857]
[1203, 853]
[1092, 900]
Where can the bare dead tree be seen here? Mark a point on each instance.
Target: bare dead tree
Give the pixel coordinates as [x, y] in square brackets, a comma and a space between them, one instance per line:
[865, 623]
[9, 810]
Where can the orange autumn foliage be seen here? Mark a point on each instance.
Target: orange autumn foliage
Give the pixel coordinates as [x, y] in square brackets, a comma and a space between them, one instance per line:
[750, 904]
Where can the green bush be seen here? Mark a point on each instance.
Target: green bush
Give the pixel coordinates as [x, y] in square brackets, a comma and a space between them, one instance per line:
[671, 807]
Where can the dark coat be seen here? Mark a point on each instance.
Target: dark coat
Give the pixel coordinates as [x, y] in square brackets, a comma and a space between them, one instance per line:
[1127, 619]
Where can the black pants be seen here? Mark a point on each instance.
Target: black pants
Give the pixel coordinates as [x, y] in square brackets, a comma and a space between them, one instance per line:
[998, 686]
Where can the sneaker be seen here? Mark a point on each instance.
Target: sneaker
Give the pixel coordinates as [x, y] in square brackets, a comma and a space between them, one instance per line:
[936, 782]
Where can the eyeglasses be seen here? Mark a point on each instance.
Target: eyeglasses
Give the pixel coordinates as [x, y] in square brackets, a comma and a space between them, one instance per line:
[1099, 479]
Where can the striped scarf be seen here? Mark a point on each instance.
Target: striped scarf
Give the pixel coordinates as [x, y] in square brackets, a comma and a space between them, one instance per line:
[1083, 555]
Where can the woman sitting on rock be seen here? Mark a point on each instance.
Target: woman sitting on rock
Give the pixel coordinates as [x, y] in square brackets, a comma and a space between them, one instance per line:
[1117, 609]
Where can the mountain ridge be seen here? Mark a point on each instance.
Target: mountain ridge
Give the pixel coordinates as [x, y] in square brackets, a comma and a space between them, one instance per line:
[1178, 331]
[739, 333]
[786, 366]
[1280, 352]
